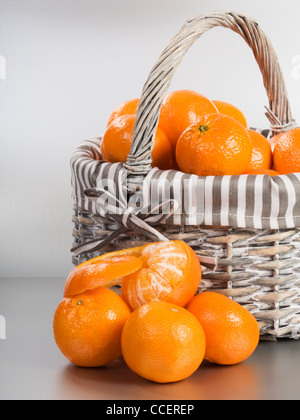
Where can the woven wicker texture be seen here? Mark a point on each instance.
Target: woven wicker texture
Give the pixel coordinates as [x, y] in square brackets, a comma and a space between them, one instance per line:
[258, 268]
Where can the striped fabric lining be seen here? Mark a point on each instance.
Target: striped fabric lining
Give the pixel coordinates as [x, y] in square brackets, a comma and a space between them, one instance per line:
[89, 171]
[247, 201]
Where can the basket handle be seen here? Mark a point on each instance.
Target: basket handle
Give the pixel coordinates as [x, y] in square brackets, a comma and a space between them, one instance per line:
[155, 89]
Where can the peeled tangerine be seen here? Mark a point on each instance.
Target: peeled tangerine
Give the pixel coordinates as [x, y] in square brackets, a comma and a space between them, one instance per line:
[161, 271]
[88, 322]
[171, 273]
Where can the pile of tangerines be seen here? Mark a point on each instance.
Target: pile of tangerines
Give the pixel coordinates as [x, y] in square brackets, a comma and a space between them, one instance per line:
[159, 324]
[198, 136]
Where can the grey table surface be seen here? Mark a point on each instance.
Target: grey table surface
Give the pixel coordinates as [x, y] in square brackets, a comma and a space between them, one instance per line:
[32, 368]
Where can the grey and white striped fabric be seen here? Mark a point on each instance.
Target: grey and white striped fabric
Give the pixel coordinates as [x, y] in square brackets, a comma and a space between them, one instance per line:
[247, 201]
[89, 171]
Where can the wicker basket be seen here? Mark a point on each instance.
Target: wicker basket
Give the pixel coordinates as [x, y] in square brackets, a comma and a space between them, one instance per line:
[244, 229]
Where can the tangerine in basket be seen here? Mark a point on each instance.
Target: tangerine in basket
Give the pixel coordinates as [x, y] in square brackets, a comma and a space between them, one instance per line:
[180, 110]
[262, 152]
[231, 111]
[88, 327]
[232, 332]
[273, 141]
[171, 273]
[286, 155]
[163, 342]
[129, 107]
[216, 145]
[269, 172]
[117, 139]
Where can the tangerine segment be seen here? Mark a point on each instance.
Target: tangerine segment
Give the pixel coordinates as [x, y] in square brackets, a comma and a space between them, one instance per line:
[106, 273]
[171, 273]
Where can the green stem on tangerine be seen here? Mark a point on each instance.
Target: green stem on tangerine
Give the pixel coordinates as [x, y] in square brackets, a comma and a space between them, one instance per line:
[203, 128]
[80, 303]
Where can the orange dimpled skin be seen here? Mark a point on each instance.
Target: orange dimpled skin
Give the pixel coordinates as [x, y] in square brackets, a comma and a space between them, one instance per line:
[87, 328]
[269, 172]
[262, 152]
[117, 139]
[171, 273]
[286, 155]
[216, 145]
[231, 111]
[163, 343]
[129, 107]
[162, 153]
[116, 142]
[180, 110]
[116, 255]
[273, 141]
[101, 273]
[232, 332]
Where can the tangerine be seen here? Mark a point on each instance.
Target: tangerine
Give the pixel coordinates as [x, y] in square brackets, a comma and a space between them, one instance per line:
[286, 155]
[216, 145]
[171, 273]
[117, 139]
[269, 172]
[163, 342]
[262, 152]
[88, 327]
[231, 111]
[273, 141]
[232, 332]
[129, 107]
[180, 110]
[168, 271]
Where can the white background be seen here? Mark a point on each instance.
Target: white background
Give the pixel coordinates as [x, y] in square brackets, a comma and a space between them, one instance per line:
[70, 62]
